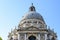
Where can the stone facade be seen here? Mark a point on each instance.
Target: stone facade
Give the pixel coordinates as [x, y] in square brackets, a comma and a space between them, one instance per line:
[32, 27]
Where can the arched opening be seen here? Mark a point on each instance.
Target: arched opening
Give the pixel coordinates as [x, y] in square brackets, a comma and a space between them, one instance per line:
[32, 37]
[53, 38]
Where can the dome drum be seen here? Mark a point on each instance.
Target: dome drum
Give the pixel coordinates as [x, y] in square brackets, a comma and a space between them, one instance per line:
[31, 21]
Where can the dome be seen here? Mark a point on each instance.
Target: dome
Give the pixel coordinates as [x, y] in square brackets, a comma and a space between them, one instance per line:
[32, 14]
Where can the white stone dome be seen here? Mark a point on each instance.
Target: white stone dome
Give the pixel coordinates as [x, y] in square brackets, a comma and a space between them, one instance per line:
[32, 14]
[32, 18]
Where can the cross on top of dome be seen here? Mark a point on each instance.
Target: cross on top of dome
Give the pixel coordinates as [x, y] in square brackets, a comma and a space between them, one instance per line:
[32, 8]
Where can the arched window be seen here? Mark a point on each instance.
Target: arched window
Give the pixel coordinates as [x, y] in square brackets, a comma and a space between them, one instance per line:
[40, 22]
[29, 21]
[35, 22]
[25, 22]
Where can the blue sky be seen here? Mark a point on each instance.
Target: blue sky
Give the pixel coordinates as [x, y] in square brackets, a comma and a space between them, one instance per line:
[11, 12]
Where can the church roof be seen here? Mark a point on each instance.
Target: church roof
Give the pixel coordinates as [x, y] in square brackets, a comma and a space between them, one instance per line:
[32, 14]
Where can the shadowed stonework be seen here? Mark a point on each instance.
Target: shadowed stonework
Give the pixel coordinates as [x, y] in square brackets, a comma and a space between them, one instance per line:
[32, 37]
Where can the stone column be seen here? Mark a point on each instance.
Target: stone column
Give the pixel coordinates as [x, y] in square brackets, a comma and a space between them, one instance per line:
[25, 36]
[38, 36]
[45, 36]
[18, 36]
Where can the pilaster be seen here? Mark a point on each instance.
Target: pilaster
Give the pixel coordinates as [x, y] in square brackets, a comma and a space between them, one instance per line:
[18, 36]
[45, 36]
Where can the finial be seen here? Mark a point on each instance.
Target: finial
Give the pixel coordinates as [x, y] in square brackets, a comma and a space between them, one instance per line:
[32, 8]
[32, 4]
